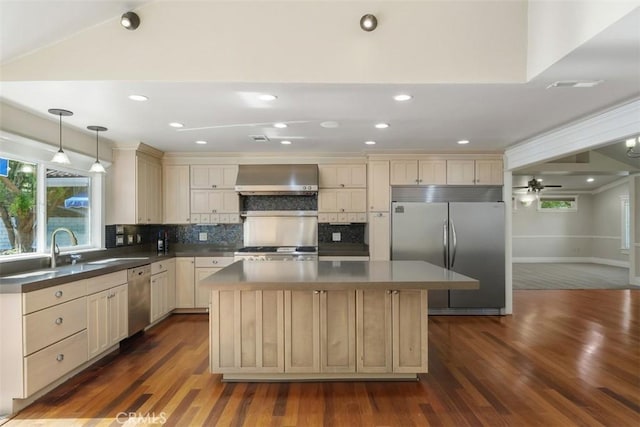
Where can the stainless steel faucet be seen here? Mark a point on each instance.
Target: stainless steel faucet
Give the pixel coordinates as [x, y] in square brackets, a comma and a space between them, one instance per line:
[54, 246]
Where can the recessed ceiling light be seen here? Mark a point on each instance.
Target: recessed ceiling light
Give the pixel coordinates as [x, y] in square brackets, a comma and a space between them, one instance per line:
[575, 83]
[330, 124]
[382, 125]
[176, 125]
[370, 142]
[138, 97]
[590, 179]
[280, 125]
[402, 97]
[285, 142]
[539, 179]
[463, 141]
[267, 97]
[201, 142]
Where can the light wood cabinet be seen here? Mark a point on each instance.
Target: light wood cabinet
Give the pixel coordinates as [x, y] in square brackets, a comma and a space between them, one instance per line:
[418, 172]
[475, 172]
[395, 341]
[163, 289]
[203, 296]
[213, 176]
[107, 318]
[319, 331]
[342, 176]
[489, 172]
[342, 205]
[379, 236]
[175, 183]
[134, 187]
[215, 206]
[185, 282]
[171, 284]
[379, 187]
[248, 331]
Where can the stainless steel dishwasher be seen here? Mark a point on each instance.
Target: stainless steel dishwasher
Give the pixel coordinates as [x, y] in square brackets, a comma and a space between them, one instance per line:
[139, 281]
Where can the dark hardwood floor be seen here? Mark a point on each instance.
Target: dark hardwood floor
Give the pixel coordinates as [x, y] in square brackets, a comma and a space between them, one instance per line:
[564, 358]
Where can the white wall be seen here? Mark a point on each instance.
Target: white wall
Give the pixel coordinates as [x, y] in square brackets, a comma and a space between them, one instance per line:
[607, 223]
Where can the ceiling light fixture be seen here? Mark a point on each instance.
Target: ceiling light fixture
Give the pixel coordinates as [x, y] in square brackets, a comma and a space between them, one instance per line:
[176, 125]
[382, 125]
[402, 97]
[370, 142]
[280, 125]
[130, 20]
[590, 179]
[368, 22]
[285, 142]
[330, 124]
[574, 83]
[463, 141]
[61, 157]
[139, 98]
[201, 142]
[631, 147]
[97, 167]
[267, 97]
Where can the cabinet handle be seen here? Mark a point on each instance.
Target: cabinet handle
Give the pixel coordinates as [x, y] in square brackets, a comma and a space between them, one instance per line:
[419, 180]
[316, 292]
[389, 291]
[213, 186]
[58, 294]
[59, 321]
[395, 292]
[60, 357]
[214, 262]
[341, 185]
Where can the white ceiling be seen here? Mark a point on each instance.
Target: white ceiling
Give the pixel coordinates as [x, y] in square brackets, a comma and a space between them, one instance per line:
[492, 116]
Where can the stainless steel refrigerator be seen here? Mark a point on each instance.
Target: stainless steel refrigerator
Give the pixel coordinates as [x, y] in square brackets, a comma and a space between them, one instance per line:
[466, 237]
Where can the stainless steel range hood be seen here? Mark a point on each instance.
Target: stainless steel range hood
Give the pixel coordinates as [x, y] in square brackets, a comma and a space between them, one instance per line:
[277, 179]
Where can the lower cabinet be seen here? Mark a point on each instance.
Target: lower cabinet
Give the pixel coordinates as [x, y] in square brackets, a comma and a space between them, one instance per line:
[163, 289]
[189, 271]
[107, 319]
[247, 330]
[395, 341]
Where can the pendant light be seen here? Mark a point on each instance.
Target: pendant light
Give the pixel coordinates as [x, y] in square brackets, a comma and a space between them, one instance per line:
[60, 156]
[97, 166]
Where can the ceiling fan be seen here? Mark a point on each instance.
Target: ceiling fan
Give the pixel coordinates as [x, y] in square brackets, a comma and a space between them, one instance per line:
[535, 186]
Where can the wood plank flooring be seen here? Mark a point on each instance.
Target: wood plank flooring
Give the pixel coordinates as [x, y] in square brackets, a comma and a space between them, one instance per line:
[564, 358]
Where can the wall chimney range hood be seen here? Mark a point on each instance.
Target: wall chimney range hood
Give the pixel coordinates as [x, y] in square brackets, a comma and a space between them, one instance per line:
[277, 180]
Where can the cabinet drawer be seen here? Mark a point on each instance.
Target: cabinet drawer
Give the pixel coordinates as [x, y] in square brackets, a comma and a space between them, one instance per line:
[106, 281]
[49, 364]
[50, 325]
[159, 266]
[213, 261]
[43, 298]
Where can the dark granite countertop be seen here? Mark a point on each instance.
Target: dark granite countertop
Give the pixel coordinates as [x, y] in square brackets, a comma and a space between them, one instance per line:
[343, 249]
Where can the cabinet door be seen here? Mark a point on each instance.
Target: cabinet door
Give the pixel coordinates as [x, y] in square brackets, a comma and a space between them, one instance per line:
[337, 331]
[432, 172]
[489, 172]
[355, 174]
[409, 320]
[302, 331]
[460, 172]
[378, 189]
[374, 337]
[175, 185]
[379, 236]
[97, 323]
[327, 201]
[171, 285]
[224, 176]
[142, 187]
[154, 193]
[185, 283]
[358, 201]
[158, 296]
[203, 294]
[327, 176]
[249, 326]
[404, 172]
[118, 314]
[230, 202]
[199, 176]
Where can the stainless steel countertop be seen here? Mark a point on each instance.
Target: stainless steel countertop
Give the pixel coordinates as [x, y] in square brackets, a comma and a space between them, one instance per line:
[326, 275]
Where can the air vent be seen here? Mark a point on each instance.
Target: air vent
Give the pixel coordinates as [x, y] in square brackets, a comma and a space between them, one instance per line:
[259, 138]
[575, 83]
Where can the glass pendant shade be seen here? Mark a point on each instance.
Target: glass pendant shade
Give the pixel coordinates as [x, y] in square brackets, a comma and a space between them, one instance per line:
[97, 167]
[60, 157]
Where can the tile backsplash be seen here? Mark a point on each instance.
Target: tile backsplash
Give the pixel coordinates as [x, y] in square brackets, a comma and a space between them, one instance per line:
[349, 233]
[132, 235]
[279, 203]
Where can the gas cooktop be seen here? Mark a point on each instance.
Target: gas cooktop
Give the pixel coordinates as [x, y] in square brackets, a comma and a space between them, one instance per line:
[278, 249]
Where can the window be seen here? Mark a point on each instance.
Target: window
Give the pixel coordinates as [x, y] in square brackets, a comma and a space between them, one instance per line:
[18, 185]
[625, 221]
[32, 195]
[558, 204]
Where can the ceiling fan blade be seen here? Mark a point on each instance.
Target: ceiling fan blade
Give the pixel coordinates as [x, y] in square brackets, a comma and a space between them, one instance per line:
[555, 186]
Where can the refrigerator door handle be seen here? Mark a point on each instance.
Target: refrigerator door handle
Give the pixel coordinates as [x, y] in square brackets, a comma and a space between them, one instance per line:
[455, 243]
[444, 242]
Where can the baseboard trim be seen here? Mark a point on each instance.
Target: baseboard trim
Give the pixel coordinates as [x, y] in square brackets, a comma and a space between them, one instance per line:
[583, 260]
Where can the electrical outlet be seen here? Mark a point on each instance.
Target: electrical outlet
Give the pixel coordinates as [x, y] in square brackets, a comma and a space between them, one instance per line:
[202, 236]
[336, 237]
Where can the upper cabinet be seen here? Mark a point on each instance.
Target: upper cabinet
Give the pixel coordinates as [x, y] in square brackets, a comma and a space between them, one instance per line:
[378, 189]
[489, 172]
[342, 176]
[474, 172]
[217, 177]
[418, 172]
[135, 187]
[175, 183]
[446, 172]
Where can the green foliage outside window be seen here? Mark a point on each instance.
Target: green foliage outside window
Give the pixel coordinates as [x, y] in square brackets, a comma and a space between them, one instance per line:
[555, 204]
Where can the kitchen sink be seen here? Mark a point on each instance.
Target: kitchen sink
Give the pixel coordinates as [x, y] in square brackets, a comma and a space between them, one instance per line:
[110, 260]
[29, 274]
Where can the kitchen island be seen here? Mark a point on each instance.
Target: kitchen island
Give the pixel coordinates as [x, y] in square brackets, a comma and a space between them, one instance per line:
[323, 320]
